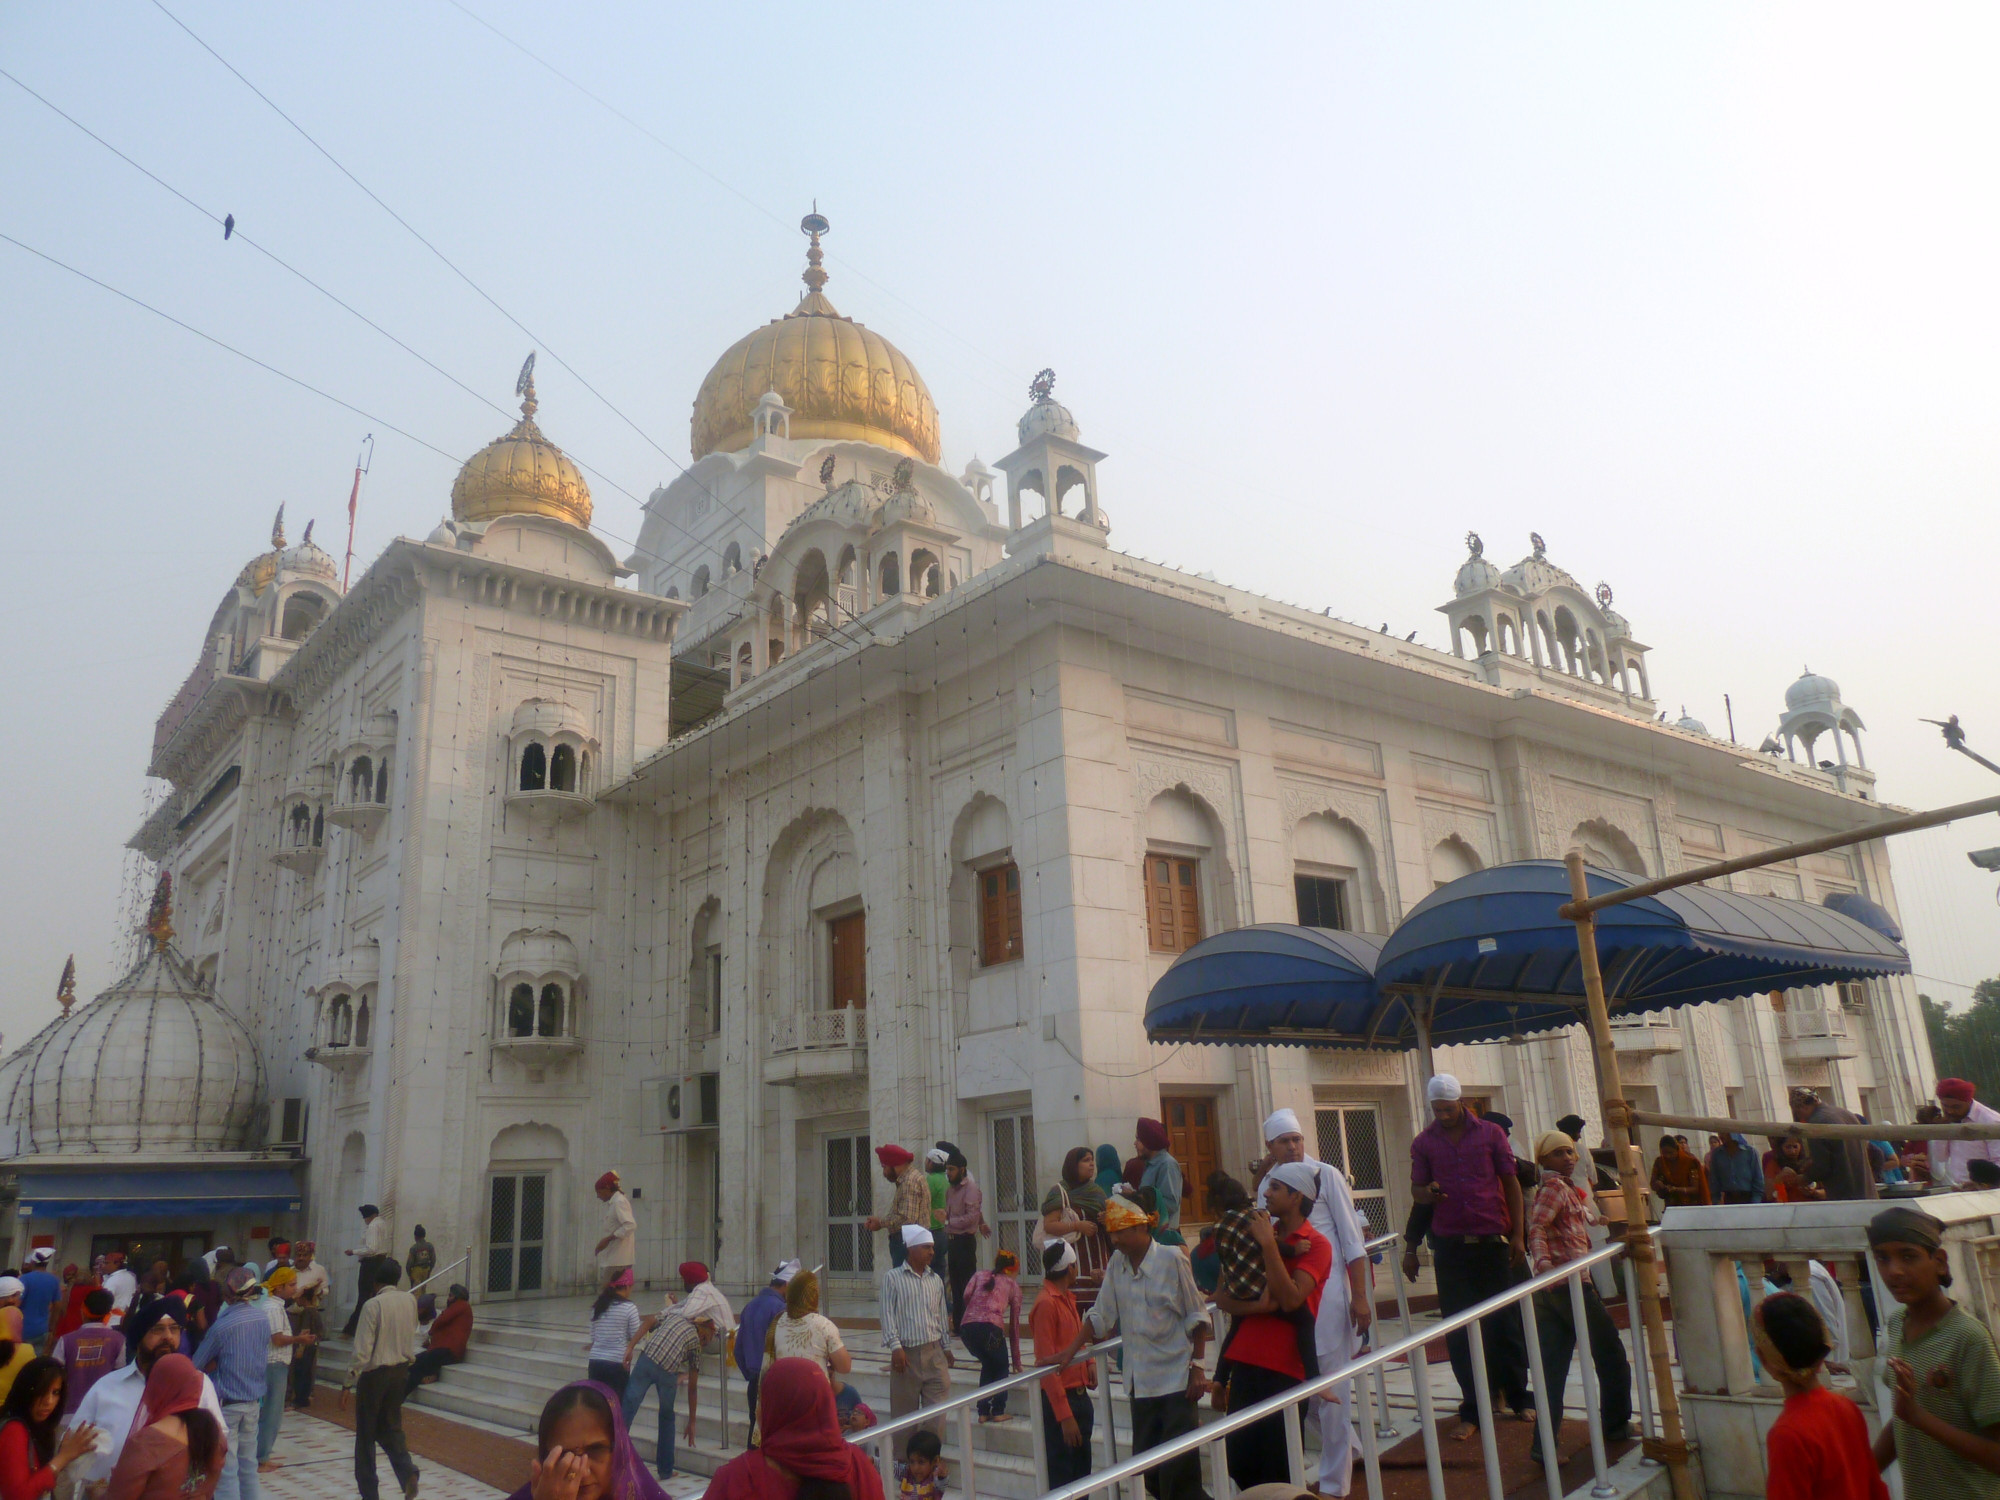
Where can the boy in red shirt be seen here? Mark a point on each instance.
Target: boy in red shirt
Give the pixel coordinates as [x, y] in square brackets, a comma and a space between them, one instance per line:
[1818, 1448]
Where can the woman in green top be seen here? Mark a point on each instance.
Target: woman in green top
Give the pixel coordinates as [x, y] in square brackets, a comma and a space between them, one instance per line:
[1942, 1368]
[934, 1162]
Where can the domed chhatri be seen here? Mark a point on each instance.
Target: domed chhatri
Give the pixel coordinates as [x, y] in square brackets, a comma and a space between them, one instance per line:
[521, 474]
[1813, 691]
[1475, 573]
[154, 1064]
[840, 379]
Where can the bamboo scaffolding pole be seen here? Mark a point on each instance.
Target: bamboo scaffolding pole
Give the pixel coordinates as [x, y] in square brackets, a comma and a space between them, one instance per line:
[1716, 1125]
[1585, 903]
[1671, 1446]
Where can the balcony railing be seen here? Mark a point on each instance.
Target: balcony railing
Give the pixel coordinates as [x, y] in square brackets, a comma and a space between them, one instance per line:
[820, 1031]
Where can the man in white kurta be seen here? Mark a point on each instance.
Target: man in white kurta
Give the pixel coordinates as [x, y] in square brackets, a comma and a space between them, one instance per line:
[619, 1247]
[1950, 1159]
[1343, 1320]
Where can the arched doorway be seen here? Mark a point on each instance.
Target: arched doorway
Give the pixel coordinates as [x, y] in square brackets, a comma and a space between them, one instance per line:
[520, 1194]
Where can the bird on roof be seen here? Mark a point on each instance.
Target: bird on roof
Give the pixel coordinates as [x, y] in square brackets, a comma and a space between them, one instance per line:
[1411, 636]
[228, 225]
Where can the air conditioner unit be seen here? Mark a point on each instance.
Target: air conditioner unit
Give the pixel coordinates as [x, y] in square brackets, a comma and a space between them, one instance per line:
[288, 1124]
[691, 1102]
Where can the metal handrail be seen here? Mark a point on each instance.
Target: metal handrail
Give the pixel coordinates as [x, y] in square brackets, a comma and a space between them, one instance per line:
[462, 1260]
[1034, 1375]
[1410, 1348]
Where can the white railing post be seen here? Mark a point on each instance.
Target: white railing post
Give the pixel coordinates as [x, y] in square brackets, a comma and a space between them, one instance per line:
[1295, 1445]
[1642, 1370]
[1039, 1439]
[1103, 1362]
[1593, 1404]
[965, 1451]
[1371, 1428]
[1385, 1429]
[885, 1464]
[1418, 1362]
[1546, 1424]
[1483, 1396]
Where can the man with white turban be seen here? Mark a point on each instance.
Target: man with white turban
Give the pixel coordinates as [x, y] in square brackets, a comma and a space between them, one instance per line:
[915, 1320]
[1464, 1167]
[1342, 1324]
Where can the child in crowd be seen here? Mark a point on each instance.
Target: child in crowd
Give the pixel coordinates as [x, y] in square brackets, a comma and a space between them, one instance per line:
[1818, 1448]
[1941, 1368]
[1242, 1275]
[920, 1476]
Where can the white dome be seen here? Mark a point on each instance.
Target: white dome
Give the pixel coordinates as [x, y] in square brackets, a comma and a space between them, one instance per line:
[905, 505]
[153, 1064]
[1689, 724]
[1812, 691]
[308, 561]
[1046, 417]
[1474, 575]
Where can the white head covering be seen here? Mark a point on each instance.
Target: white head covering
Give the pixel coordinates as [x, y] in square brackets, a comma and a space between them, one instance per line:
[937, 1156]
[1442, 1086]
[37, 1257]
[1282, 1122]
[916, 1234]
[787, 1269]
[1297, 1176]
[1064, 1260]
[11, 1286]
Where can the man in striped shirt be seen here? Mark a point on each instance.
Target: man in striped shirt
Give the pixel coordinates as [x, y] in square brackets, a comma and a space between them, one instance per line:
[915, 1320]
[672, 1347]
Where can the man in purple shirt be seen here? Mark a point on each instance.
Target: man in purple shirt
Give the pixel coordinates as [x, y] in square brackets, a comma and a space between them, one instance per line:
[964, 1222]
[1464, 1167]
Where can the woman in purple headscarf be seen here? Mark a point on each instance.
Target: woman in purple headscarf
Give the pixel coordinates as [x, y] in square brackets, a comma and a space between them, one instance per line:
[585, 1452]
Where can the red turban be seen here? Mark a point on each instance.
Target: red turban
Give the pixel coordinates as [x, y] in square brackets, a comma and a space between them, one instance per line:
[608, 1180]
[1955, 1088]
[894, 1156]
[1152, 1135]
[693, 1274]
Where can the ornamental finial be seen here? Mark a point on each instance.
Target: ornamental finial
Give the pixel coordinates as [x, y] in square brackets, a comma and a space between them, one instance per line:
[66, 986]
[524, 387]
[1541, 547]
[813, 225]
[278, 530]
[160, 915]
[1043, 385]
[1474, 545]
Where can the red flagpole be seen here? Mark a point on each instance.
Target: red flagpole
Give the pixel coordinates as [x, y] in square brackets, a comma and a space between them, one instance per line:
[354, 502]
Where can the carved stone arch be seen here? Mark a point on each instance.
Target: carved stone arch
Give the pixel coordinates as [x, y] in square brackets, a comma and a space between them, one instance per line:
[1327, 844]
[1362, 810]
[789, 958]
[1608, 847]
[529, 1141]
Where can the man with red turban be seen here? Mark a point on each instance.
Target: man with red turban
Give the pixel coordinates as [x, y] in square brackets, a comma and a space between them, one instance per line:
[912, 1203]
[1163, 1175]
[704, 1297]
[617, 1250]
[1951, 1160]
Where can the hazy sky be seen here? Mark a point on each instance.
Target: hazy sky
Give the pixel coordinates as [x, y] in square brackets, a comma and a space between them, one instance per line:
[1704, 294]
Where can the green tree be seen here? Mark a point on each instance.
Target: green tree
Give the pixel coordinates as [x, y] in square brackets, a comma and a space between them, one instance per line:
[1966, 1043]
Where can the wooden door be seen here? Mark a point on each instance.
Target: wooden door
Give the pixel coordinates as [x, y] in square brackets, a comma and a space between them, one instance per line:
[848, 937]
[1191, 1137]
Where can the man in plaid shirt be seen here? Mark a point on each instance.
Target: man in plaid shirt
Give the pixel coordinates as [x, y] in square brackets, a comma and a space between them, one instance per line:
[1558, 1233]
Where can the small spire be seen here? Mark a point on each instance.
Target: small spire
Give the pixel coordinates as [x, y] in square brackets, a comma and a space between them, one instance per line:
[524, 387]
[813, 225]
[278, 530]
[66, 986]
[160, 915]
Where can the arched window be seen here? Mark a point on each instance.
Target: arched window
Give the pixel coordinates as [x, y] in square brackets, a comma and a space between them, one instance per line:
[743, 663]
[698, 585]
[521, 1010]
[845, 569]
[924, 573]
[549, 1020]
[340, 1022]
[319, 827]
[361, 1023]
[562, 769]
[301, 822]
[534, 767]
[732, 558]
[382, 782]
[777, 650]
[892, 577]
[583, 772]
[360, 779]
[302, 613]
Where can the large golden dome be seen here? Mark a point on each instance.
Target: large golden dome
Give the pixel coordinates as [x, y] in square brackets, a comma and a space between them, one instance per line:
[521, 474]
[840, 379]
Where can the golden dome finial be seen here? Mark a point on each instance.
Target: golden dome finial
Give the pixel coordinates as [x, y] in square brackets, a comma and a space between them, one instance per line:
[160, 915]
[278, 530]
[66, 986]
[813, 225]
[524, 387]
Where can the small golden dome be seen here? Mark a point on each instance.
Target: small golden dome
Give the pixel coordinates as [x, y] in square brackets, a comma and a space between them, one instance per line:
[521, 474]
[839, 379]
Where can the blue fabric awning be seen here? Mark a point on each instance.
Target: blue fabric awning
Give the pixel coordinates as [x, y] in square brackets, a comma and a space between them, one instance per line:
[157, 1192]
[1866, 912]
[1268, 983]
[1499, 960]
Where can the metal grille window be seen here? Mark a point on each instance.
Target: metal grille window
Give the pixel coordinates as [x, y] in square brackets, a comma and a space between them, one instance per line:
[1322, 901]
[516, 1226]
[1350, 1136]
[850, 1248]
[1016, 1200]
